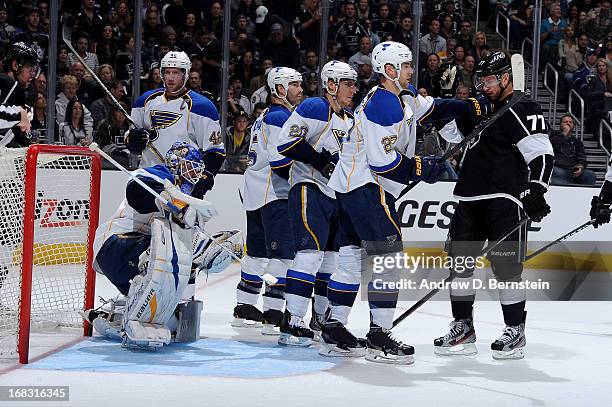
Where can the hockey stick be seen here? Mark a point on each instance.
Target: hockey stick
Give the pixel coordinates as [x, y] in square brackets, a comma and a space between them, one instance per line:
[268, 278]
[67, 37]
[452, 275]
[565, 236]
[518, 86]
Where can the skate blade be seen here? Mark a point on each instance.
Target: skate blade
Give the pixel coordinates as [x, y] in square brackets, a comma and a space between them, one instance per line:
[270, 330]
[467, 349]
[379, 357]
[317, 336]
[331, 350]
[517, 353]
[290, 340]
[141, 346]
[245, 323]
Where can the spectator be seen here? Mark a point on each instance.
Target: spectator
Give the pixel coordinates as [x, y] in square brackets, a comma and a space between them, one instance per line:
[521, 21]
[462, 92]
[363, 10]
[211, 61]
[32, 34]
[383, 26]
[432, 43]
[248, 8]
[124, 17]
[481, 49]
[69, 85]
[467, 73]
[195, 81]
[427, 74]
[174, 13]
[551, 34]
[446, 29]
[465, 38]
[6, 30]
[39, 85]
[607, 53]
[107, 48]
[574, 57]
[599, 96]
[39, 113]
[101, 108]
[308, 26]
[312, 85]
[284, 50]
[403, 33]
[350, 30]
[598, 22]
[89, 20]
[238, 97]
[311, 64]
[86, 90]
[189, 31]
[586, 70]
[566, 45]
[456, 17]
[238, 139]
[366, 78]
[260, 80]
[151, 29]
[261, 94]
[459, 56]
[154, 80]
[365, 49]
[72, 131]
[82, 45]
[246, 69]
[214, 20]
[257, 111]
[111, 137]
[570, 158]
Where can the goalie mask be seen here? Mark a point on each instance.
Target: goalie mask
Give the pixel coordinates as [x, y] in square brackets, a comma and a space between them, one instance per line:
[186, 163]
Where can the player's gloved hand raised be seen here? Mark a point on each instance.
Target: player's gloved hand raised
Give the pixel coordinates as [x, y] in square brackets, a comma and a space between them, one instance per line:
[427, 168]
[600, 212]
[534, 203]
[136, 139]
[325, 163]
[479, 109]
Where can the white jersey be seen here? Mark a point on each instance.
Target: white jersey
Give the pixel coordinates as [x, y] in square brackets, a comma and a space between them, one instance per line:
[127, 219]
[191, 118]
[315, 121]
[261, 184]
[384, 128]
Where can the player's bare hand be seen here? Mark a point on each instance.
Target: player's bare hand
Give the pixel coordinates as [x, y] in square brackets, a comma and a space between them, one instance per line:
[24, 124]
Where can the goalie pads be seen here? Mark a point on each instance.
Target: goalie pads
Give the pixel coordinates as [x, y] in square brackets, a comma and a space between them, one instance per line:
[153, 297]
[209, 256]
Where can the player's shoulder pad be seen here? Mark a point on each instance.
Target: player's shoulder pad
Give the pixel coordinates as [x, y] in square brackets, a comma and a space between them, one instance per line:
[202, 106]
[148, 95]
[384, 108]
[276, 116]
[316, 108]
[526, 107]
[158, 172]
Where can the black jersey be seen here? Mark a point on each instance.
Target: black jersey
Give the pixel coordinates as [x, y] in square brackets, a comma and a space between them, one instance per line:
[8, 86]
[514, 150]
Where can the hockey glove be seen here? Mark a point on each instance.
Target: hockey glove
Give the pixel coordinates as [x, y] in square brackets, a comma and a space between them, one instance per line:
[204, 184]
[534, 203]
[600, 205]
[478, 109]
[137, 139]
[325, 163]
[427, 168]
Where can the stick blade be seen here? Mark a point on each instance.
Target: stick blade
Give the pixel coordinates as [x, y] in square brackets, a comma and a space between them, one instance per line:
[67, 30]
[518, 72]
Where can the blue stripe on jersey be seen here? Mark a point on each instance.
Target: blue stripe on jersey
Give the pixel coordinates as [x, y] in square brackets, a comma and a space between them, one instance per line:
[140, 102]
[160, 171]
[277, 116]
[280, 163]
[202, 106]
[384, 108]
[388, 167]
[215, 150]
[316, 108]
[287, 146]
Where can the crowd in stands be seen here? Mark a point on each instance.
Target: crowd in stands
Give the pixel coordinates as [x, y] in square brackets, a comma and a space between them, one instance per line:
[266, 33]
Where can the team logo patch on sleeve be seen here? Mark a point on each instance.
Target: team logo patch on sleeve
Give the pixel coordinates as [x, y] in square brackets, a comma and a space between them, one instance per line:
[161, 119]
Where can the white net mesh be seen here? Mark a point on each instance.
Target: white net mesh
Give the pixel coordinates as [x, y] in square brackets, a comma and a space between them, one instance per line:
[61, 235]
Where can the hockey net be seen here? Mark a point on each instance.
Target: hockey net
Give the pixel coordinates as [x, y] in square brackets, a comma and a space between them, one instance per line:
[49, 200]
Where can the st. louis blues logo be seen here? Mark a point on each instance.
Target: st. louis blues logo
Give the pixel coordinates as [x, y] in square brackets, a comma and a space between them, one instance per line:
[339, 135]
[161, 119]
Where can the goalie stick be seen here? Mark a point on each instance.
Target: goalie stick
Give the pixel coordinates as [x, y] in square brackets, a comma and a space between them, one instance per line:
[268, 278]
[518, 86]
[67, 37]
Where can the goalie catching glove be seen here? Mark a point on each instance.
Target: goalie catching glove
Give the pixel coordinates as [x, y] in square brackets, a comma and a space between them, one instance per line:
[211, 256]
[195, 211]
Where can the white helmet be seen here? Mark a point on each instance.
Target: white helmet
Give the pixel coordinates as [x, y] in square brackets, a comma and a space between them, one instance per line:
[176, 59]
[390, 52]
[336, 71]
[282, 76]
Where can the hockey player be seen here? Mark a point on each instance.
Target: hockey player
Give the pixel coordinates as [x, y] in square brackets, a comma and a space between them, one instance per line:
[600, 205]
[505, 173]
[312, 137]
[173, 113]
[149, 255]
[269, 242]
[376, 162]
[21, 65]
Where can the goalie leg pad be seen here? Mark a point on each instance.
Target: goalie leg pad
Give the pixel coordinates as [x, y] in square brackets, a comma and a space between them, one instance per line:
[152, 298]
[188, 329]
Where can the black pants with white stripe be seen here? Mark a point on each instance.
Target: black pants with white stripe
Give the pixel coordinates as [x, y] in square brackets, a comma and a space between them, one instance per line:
[473, 224]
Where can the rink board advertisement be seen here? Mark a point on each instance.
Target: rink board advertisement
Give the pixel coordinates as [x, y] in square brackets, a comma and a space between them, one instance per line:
[425, 214]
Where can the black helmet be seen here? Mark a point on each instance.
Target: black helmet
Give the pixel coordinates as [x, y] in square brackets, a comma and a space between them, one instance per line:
[22, 54]
[496, 63]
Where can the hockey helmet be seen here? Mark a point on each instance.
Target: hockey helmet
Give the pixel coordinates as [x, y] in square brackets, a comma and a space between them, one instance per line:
[282, 76]
[22, 54]
[176, 59]
[336, 71]
[393, 53]
[185, 162]
[496, 63]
